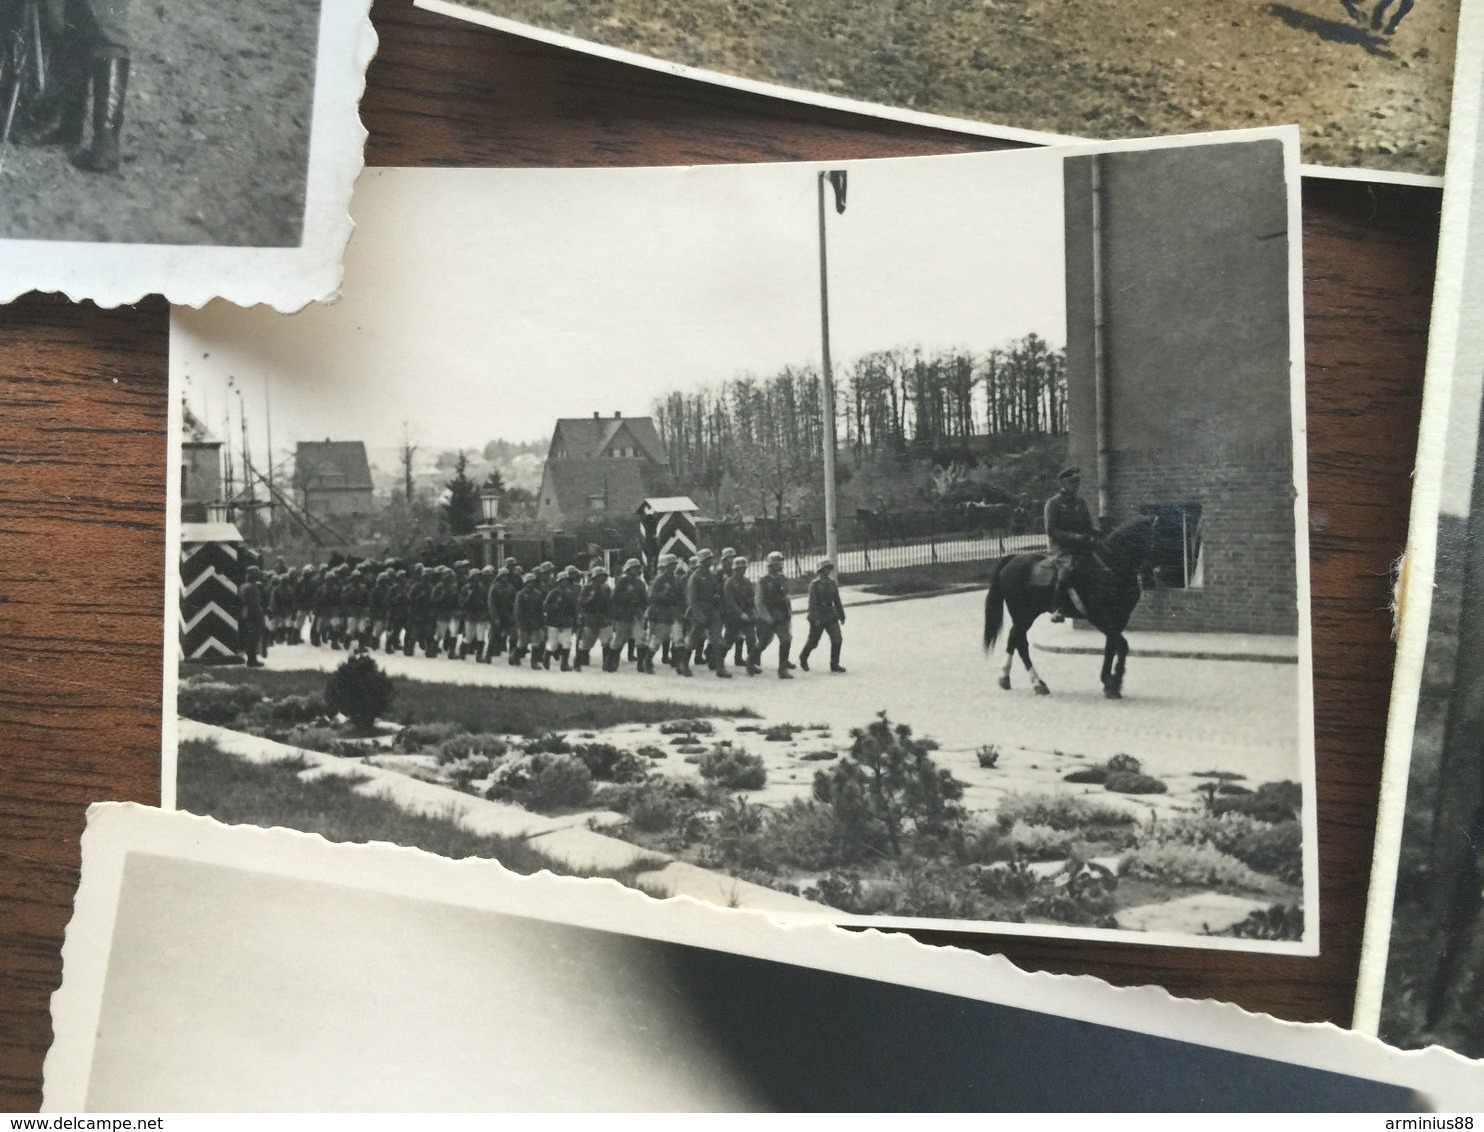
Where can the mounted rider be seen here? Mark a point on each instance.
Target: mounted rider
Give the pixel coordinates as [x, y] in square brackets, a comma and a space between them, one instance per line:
[1072, 536]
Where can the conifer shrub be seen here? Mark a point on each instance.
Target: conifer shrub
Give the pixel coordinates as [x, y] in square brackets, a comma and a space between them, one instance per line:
[360, 691]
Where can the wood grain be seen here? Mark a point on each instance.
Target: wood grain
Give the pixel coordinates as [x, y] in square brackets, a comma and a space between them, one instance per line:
[82, 440]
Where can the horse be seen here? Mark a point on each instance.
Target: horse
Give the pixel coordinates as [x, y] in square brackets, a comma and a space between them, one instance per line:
[1108, 591]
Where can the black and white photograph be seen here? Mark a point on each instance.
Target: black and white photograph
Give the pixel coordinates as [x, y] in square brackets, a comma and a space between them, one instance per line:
[132, 131]
[210, 968]
[1422, 972]
[909, 542]
[1367, 81]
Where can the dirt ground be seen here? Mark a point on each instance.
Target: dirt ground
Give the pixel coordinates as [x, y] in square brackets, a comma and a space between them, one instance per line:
[215, 141]
[1093, 68]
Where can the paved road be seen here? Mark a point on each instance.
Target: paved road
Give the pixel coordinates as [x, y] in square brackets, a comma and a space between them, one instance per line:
[920, 661]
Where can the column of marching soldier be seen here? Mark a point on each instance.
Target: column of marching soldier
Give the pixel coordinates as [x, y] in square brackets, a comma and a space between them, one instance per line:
[701, 610]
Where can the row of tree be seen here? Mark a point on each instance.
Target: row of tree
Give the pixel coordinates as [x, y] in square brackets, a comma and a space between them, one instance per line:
[765, 435]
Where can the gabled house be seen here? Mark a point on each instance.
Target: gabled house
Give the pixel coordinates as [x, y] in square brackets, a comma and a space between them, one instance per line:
[600, 466]
[333, 477]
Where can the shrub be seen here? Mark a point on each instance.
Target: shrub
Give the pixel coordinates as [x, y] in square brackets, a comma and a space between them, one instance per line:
[1199, 865]
[989, 756]
[543, 782]
[465, 774]
[659, 804]
[733, 769]
[1039, 842]
[611, 764]
[1123, 764]
[468, 745]
[1232, 788]
[1096, 775]
[691, 751]
[1123, 782]
[781, 732]
[1272, 848]
[213, 702]
[415, 736]
[887, 791]
[1271, 802]
[360, 691]
[547, 743]
[648, 751]
[1060, 811]
[1277, 921]
[325, 739]
[820, 757]
[296, 709]
[688, 727]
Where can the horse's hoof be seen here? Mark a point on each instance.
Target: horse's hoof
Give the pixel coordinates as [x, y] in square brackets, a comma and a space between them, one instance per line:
[1112, 693]
[1042, 690]
[1005, 682]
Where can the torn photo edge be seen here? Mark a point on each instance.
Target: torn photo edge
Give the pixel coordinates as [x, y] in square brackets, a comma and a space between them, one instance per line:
[1447, 451]
[286, 279]
[1304, 755]
[1440, 1080]
[1010, 134]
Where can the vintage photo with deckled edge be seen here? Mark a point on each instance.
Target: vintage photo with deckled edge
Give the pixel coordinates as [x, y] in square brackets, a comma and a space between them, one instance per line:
[189, 149]
[1422, 972]
[216, 968]
[592, 373]
[1367, 81]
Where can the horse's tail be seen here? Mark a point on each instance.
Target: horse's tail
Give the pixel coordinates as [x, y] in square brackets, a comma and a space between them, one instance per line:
[994, 606]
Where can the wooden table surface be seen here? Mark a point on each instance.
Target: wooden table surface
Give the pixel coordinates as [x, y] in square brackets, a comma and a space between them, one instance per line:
[82, 498]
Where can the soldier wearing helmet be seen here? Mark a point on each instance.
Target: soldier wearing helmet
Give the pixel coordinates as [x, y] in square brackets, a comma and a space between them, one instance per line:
[559, 608]
[251, 626]
[774, 616]
[739, 615]
[595, 619]
[826, 615]
[530, 623]
[703, 601]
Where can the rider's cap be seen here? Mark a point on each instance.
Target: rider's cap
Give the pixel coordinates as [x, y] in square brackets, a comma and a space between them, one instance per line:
[1072, 473]
[825, 564]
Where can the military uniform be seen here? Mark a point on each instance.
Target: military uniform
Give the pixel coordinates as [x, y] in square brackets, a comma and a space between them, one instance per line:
[559, 610]
[774, 617]
[826, 615]
[530, 622]
[422, 619]
[250, 624]
[595, 618]
[739, 615]
[630, 596]
[664, 615]
[703, 600]
[1071, 533]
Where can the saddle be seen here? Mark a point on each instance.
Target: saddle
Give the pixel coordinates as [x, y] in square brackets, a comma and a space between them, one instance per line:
[1043, 573]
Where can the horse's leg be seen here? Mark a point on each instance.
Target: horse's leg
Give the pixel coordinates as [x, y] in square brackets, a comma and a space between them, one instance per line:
[1009, 657]
[1113, 685]
[1024, 649]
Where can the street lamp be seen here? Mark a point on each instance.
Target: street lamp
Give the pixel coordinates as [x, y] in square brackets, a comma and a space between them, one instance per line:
[836, 180]
[489, 503]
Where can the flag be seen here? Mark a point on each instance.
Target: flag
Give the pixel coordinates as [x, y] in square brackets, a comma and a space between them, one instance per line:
[837, 182]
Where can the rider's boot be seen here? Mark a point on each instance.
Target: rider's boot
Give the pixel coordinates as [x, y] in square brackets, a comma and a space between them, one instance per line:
[110, 84]
[1059, 612]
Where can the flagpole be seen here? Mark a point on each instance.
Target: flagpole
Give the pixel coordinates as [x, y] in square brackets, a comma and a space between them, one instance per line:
[827, 393]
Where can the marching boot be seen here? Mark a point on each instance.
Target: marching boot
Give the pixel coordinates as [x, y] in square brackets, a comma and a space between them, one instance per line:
[515, 657]
[643, 662]
[110, 84]
[566, 655]
[682, 662]
[536, 657]
[804, 660]
[835, 658]
[737, 658]
[665, 655]
[753, 668]
[60, 111]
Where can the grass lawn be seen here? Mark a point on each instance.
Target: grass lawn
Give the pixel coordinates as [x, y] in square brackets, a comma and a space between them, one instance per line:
[508, 711]
[233, 790]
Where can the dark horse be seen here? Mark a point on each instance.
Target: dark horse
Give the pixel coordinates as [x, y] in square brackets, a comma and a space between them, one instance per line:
[1108, 590]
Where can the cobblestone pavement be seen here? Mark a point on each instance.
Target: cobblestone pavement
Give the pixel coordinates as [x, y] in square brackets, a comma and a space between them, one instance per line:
[921, 662]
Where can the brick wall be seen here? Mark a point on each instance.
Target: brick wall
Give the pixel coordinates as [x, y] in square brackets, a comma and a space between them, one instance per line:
[1246, 496]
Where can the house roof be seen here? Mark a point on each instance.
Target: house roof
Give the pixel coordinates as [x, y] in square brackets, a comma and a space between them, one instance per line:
[663, 503]
[624, 483]
[332, 465]
[588, 437]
